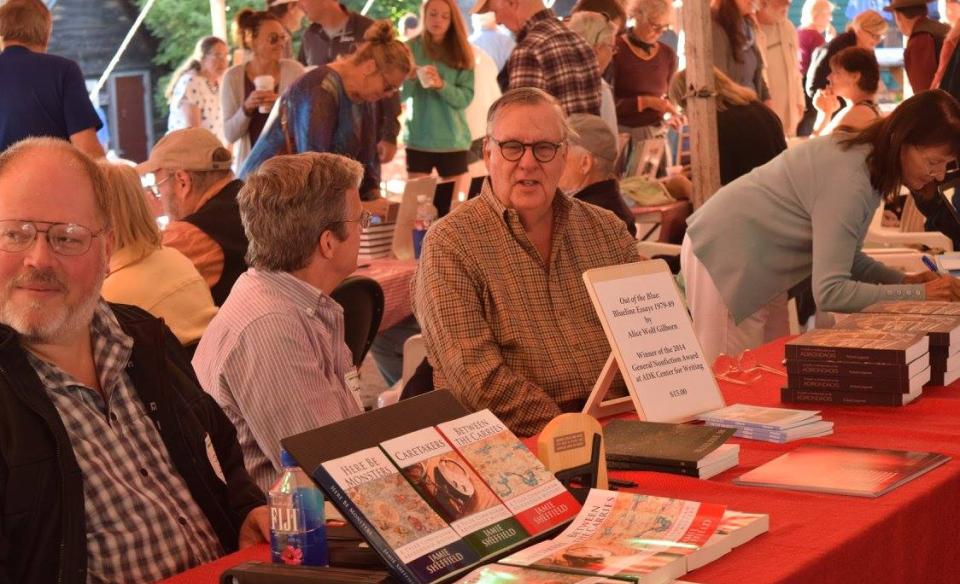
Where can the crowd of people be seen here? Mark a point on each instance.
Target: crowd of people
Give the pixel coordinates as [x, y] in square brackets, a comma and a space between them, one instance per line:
[149, 374]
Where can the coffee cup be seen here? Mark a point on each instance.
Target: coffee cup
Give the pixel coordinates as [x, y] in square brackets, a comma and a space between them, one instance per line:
[264, 83]
[423, 74]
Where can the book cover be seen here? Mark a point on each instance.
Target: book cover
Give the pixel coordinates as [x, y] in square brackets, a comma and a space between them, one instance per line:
[857, 346]
[812, 429]
[862, 472]
[943, 330]
[744, 415]
[626, 536]
[736, 528]
[944, 378]
[516, 476]
[504, 574]
[660, 443]
[415, 541]
[452, 488]
[865, 384]
[915, 307]
[858, 371]
[847, 398]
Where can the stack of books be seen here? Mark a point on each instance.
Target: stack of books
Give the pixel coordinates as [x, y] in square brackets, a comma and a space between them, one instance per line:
[856, 367]
[769, 424]
[696, 451]
[941, 322]
[376, 241]
[438, 503]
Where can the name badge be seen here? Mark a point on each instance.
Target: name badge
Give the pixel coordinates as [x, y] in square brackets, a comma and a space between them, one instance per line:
[352, 381]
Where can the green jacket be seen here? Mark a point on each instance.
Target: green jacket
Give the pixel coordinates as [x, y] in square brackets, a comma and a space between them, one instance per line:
[437, 122]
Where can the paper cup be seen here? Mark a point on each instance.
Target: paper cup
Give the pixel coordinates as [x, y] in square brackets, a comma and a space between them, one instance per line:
[424, 77]
[264, 83]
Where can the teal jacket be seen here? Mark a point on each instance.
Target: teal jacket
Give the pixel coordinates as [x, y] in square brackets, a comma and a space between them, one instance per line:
[437, 122]
[804, 213]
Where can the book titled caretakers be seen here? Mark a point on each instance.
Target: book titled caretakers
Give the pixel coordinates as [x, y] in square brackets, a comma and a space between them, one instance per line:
[857, 346]
[452, 488]
[411, 537]
[517, 477]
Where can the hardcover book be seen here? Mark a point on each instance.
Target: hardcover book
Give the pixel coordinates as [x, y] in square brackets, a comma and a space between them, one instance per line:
[861, 472]
[664, 444]
[515, 475]
[857, 346]
[747, 416]
[412, 538]
[943, 330]
[859, 371]
[847, 398]
[626, 536]
[865, 384]
[451, 487]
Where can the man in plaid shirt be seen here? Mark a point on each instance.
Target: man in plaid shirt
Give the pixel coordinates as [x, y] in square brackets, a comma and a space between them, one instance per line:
[548, 56]
[114, 465]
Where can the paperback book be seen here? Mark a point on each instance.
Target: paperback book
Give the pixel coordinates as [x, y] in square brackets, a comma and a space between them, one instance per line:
[517, 477]
[915, 307]
[451, 487]
[655, 443]
[858, 372]
[861, 384]
[416, 543]
[862, 472]
[747, 416]
[723, 458]
[736, 528]
[626, 536]
[857, 346]
[809, 430]
[504, 574]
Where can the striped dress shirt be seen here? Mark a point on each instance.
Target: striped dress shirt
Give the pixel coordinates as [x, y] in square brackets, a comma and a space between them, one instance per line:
[142, 524]
[275, 360]
[504, 330]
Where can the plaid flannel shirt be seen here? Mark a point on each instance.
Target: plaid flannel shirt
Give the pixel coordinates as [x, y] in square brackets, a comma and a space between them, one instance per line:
[555, 59]
[503, 329]
[142, 523]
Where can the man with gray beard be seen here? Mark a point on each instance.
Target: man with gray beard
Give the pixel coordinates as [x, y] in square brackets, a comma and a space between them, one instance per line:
[110, 451]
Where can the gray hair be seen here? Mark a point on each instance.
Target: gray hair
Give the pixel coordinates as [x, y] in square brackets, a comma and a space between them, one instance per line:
[645, 10]
[528, 96]
[594, 27]
[601, 166]
[289, 202]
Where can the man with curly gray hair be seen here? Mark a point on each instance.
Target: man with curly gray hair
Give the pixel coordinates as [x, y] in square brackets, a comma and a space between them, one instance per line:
[302, 215]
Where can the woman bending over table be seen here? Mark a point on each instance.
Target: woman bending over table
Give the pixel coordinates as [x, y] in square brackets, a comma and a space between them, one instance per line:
[806, 213]
[854, 76]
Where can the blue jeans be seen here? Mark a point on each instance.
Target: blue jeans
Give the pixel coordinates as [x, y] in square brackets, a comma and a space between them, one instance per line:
[387, 348]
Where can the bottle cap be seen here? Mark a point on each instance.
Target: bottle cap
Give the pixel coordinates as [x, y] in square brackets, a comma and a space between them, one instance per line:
[286, 460]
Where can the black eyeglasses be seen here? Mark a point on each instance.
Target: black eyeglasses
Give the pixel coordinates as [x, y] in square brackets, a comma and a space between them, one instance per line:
[513, 150]
[69, 239]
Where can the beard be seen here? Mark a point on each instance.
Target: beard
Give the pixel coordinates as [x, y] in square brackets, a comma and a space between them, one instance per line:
[40, 322]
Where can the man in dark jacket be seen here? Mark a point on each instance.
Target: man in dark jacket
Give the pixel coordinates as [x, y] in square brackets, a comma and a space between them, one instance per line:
[925, 39]
[115, 465]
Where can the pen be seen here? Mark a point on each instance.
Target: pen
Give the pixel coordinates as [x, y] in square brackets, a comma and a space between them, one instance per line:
[929, 263]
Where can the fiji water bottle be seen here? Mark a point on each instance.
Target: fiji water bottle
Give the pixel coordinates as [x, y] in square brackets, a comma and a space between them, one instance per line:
[298, 534]
[426, 214]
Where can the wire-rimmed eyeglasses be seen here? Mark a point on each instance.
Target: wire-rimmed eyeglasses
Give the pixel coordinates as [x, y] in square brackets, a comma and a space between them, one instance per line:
[513, 150]
[69, 239]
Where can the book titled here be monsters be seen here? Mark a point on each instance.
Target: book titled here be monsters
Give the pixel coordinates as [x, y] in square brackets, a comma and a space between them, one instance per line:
[452, 488]
[517, 477]
[415, 542]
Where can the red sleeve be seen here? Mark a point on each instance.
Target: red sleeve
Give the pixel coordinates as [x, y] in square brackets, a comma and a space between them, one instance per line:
[920, 61]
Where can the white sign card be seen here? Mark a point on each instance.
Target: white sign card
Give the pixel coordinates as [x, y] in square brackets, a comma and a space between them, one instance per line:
[653, 344]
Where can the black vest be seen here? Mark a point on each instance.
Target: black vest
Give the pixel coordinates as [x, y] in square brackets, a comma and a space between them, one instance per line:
[219, 218]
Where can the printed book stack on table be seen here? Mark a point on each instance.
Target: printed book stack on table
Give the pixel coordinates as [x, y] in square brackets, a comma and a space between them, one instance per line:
[853, 366]
[941, 322]
[438, 503]
[697, 451]
[769, 424]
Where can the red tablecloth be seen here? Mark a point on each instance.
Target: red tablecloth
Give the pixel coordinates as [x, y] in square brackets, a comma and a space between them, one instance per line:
[908, 535]
[394, 277]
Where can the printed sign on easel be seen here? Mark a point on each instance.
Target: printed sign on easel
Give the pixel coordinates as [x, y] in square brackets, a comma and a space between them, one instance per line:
[653, 344]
